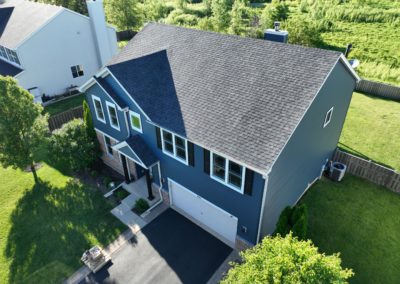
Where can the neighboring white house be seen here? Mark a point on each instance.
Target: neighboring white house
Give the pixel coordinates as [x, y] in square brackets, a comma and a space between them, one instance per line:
[50, 49]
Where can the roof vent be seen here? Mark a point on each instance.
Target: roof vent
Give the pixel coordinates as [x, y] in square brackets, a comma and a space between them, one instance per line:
[276, 34]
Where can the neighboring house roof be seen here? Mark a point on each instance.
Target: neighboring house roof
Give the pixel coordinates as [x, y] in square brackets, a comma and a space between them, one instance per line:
[7, 69]
[237, 96]
[20, 18]
[136, 148]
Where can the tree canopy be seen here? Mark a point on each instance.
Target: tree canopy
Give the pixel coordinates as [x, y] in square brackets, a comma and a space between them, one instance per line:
[287, 260]
[124, 14]
[23, 128]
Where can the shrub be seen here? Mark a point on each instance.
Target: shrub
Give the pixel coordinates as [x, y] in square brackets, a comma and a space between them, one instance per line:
[293, 219]
[287, 260]
[120, 194]
[71, 146]
[141, 205]
[303, 31]
[283, 226]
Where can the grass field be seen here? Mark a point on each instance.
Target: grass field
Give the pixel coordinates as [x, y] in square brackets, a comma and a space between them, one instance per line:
[372, 130]
[45, 229]
[64, 105]
[361, 221]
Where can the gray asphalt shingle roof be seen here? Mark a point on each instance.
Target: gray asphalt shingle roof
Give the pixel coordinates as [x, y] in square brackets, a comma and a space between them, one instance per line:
[7, 69]
[20, 18]
[237, 96]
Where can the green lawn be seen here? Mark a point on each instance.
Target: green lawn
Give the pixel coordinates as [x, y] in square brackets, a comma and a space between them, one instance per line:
[65, 104]
[361, 221]
[372, 129]
[44, 230]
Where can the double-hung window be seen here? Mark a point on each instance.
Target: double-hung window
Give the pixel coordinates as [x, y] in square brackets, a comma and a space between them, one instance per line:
[108, 144]
[227, 172]
[98, 108]
[112, 115]
[77, 71]
[174, 146]
[136, 122]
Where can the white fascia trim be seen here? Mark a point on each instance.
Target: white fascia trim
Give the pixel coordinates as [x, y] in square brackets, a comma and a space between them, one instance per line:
[215, 151]
[185, 162]
[127, 94]
[87, 85]
[225, 181]
[124, 144]
[264, 198]
[103, 73]
[40, 28]
[302, 117]
[347, 64]
[95, 98]
[108, 135]
[108, 105]
[117, 105]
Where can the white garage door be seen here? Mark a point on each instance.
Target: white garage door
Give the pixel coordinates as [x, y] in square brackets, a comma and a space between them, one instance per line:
[216, 220]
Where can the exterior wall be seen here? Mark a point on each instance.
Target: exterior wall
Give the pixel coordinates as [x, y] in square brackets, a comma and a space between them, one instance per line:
[309, 148]
[112, 161]
[246, 208]
[48, 55]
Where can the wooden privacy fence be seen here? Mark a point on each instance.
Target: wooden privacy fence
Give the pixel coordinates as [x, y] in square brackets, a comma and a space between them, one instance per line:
[378, 89]
[369, 170]
[56, 121]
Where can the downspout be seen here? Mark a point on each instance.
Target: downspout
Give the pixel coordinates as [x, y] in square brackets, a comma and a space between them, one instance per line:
[264, 197]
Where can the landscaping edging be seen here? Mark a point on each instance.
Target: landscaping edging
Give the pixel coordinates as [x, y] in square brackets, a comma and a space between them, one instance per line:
[369, 170]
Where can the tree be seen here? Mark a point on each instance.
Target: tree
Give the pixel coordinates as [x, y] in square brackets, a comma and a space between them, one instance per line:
[124, 14]
[87, 119]
[154, 10]
[221, 13]
[71, 146]
[276, 11]
[23, 128]
[303, 31]
[287, 260]
[239, 17]
[78, 6]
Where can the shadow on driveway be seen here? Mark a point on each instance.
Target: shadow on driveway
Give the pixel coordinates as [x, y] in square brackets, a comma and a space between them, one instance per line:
[171, 249]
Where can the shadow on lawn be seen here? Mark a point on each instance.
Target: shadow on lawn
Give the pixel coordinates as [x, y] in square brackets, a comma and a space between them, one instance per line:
[52, 227]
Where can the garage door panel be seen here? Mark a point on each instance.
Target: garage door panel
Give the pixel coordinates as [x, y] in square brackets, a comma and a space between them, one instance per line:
[214, 218]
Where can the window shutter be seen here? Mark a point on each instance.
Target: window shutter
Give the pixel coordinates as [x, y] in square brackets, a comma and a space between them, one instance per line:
[158, 135]
[191, 153]
[206, 161]
[248, 182]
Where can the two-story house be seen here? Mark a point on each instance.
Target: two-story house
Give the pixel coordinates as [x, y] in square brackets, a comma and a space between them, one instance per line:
[49, 49]
[232, 129]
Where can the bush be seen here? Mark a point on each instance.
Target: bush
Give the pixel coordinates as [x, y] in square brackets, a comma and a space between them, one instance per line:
[71, 146]
[287, 260]
[293, 219]
[141, 205]
[303, 31]
[283, 226]
[120, 194]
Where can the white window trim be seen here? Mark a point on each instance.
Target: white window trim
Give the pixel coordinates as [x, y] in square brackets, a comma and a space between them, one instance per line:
[108, 104]
[225, 180]
[326, 116]
[105, 144]
[135, 114]
[94, 98]
[186, 161]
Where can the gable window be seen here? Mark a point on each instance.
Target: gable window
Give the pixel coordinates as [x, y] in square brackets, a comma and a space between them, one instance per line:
[136, 122]
[108, 144]
[9, 55]
[174, 146]
[112, 114]
[227, 172]
[98, 107]
[77, 71]
[328, 117]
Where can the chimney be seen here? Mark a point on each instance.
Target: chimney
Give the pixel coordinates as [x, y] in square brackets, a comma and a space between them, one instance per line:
[99, 27]
[276, 34]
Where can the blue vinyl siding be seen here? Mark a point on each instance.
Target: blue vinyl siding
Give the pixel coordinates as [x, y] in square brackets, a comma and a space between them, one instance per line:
[246, 208]
[310, 146]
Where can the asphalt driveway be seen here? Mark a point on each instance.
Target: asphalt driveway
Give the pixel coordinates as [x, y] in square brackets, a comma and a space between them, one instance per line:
[171, 249]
